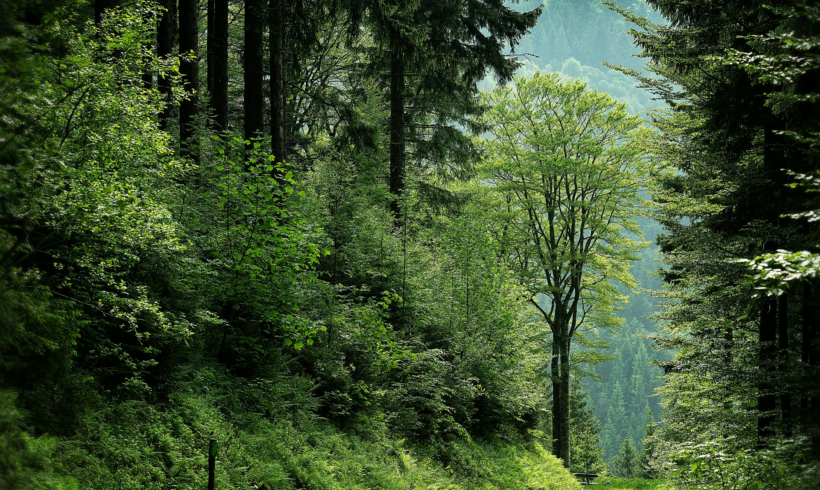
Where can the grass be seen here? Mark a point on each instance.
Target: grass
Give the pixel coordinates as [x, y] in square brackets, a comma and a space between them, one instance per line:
[611, 482]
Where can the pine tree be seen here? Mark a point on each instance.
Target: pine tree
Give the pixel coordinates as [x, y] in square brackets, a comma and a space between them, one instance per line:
[189, 68]
[452, 46]
[253, 100]
[218, 62]
[648, 462]
[615, 421]
[585, 431]
[735, 110]
[625, 464]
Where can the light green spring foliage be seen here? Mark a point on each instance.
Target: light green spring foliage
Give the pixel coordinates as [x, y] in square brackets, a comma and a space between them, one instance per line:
[269, 438]
[563, 170]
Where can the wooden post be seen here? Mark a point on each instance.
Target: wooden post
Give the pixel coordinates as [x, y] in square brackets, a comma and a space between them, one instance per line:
[211, 464]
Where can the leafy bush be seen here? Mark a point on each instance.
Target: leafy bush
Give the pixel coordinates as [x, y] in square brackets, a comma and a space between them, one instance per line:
[785, 466]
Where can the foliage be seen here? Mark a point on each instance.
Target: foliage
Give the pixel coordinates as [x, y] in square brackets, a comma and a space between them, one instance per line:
[626, 463]
[268, 437]
[585, 432]
[160, 290]
[26, 462]
[786, 465]
[562, 175]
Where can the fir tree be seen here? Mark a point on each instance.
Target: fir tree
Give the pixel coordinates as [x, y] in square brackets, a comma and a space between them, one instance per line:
[625, 464]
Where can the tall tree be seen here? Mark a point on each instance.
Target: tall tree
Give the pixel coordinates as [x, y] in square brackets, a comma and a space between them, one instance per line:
[253, 100]
[189, 68]
[218, 63]
[165, 48]
[724, 68]
[276, 30]
[567, 165]
[443, 48]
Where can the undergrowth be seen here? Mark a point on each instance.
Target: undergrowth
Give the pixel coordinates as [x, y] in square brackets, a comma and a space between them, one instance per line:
[270, 438]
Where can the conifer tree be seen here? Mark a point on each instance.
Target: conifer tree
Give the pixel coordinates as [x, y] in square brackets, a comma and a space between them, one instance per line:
[189, 68]
[435, 68]
[626, 464]
[615, 421]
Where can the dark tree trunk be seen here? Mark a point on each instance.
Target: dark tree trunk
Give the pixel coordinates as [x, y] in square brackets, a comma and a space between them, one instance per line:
[766, 400]
[100, 6]
[277, 80]
[563, 443]
[555, 371]
[783, 360]
[253, 97]
[219, 63]
[728, 359]
[768, 337]
[209, 47]
[397, 136]
[148, 75]
[165, 46]
[188, 45]
[807, 312]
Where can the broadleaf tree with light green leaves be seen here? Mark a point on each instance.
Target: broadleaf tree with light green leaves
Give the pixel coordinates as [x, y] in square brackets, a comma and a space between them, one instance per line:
[563, 175]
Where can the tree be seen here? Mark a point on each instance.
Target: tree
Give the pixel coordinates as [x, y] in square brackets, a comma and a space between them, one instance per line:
[649, 463]
[615, 421]
[253, 100]
[444, 48]
[165, 49]
[726, 71]
[625, 464]
[189, 68]
[218, 62]
[565, 167]
[585, 431]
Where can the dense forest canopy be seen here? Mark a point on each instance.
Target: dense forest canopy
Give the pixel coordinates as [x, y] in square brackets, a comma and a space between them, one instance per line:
[300, 229]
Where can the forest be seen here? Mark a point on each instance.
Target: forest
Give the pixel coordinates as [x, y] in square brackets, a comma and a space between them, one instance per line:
[394, 244]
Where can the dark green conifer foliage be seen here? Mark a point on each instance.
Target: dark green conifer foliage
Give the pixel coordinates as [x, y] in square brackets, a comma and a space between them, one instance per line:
[626, 463]
[727, 134]
[434, 69]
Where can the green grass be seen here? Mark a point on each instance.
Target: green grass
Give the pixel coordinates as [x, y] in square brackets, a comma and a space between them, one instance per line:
[611, 482]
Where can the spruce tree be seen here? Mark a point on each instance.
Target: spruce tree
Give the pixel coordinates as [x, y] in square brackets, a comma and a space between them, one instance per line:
[615, 420]
[189, 68]
[626, 464]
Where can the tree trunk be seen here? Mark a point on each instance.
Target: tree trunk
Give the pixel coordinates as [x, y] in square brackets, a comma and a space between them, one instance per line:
[783, 360]
[165, 46]
[397, 136]
[209, 48]
[254, 99]
[555, 371]
[100, 6]
[807, 312]
[563, 443]
[765, 399]
[219, 62]
[147, 74]
[277, 80]
[189, 69]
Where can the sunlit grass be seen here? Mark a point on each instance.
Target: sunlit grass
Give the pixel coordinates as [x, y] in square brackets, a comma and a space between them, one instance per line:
[631, 484]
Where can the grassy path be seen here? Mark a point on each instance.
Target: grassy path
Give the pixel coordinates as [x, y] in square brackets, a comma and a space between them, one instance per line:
[631, 484]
